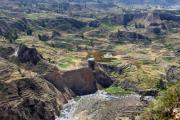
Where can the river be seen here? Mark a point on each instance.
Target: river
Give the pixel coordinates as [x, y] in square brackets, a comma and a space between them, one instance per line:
[88, 101]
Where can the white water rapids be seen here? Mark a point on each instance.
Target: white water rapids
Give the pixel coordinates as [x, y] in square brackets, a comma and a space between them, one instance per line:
[16, 52]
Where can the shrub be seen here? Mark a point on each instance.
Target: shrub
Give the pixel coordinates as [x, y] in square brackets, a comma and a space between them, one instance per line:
[161, 108]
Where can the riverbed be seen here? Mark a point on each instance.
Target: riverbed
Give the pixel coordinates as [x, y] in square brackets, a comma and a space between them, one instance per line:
[91, 106]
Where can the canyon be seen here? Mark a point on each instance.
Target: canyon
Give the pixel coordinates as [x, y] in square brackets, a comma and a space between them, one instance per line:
[89, 60]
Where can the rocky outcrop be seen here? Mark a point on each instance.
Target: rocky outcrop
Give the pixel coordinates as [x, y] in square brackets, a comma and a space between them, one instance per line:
[76, 82]
[25, 54]
[124, 36]
[27, 97]
[79, 81]
[30, 99]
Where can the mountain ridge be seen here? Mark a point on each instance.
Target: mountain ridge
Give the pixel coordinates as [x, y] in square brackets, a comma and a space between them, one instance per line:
[127, 2]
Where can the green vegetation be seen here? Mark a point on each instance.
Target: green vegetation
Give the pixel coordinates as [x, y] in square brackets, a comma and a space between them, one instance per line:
[112, 28]
[117, 90]
[66, 62]
[36, 16]
[161, 108]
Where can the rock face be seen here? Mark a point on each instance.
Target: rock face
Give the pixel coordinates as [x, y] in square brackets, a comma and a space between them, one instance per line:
[81, 81]
[27, 98]
[26, 54]
[123, 36]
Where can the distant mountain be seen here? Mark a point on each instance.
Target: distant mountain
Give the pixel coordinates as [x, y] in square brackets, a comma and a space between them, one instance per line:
[128, 2]
[161, 2]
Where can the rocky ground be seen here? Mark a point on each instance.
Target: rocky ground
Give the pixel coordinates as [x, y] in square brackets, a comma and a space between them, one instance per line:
[122, 107]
